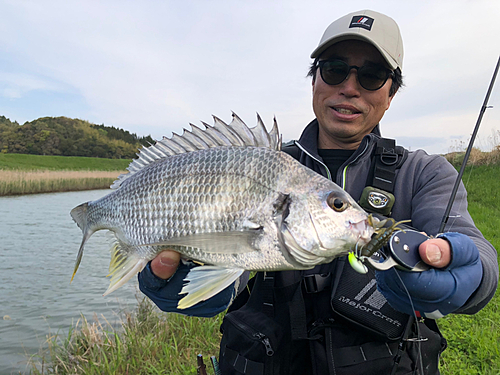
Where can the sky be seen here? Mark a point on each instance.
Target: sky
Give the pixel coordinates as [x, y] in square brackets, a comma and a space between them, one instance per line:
[152, 67]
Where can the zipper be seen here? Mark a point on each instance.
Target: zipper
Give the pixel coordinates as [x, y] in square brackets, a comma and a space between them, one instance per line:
[265, 340]
[344, 172]
[313, 157]
[259, 336]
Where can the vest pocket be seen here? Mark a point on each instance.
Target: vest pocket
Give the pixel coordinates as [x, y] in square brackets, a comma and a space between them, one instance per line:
[248, 345]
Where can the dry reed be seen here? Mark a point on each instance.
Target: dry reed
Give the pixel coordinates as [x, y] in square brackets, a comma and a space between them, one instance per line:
[15, 182]
[477, 157]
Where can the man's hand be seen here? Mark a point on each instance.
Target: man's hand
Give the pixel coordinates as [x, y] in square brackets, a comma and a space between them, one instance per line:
[163, 278]
[435, 252]
[455, 274]
[165, 264]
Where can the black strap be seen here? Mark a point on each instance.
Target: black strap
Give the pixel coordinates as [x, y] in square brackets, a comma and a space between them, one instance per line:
[241, 364]
[267, 292]
[353, 355]
[242, 298]
[387, 158]
[291, 296]
[298, 318]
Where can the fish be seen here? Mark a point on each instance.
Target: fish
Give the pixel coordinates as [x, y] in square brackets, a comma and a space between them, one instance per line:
[225, 197]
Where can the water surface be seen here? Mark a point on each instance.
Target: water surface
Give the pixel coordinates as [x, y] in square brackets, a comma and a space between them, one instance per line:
[38, 246]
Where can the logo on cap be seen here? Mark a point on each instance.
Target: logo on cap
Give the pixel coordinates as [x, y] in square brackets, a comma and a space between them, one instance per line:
[361, 21]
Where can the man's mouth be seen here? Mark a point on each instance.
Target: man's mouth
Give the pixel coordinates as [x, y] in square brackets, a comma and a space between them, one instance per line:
[346, 111]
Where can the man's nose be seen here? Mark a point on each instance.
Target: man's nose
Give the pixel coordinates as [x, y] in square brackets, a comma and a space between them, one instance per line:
[350, 86]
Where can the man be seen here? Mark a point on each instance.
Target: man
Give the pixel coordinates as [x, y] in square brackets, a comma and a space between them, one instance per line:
[329, 319]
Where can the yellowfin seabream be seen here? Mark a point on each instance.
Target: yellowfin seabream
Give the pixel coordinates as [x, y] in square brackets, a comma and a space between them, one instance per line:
[228, 198]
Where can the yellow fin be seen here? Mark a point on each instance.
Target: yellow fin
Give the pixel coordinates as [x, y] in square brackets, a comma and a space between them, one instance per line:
[206, 282]
[122, 267]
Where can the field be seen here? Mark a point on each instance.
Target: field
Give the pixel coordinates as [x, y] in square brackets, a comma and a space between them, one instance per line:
[151, 342]
[474, 341]
[56, 163]
[31, 174]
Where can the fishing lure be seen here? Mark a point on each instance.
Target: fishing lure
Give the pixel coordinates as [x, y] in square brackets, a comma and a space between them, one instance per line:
[382, 235]
[379, 240]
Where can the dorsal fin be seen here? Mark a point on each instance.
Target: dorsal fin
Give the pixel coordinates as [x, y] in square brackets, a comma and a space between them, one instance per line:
[237, 133]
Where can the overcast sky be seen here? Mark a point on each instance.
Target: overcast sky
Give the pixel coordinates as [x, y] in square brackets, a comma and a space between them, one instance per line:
[152, 67]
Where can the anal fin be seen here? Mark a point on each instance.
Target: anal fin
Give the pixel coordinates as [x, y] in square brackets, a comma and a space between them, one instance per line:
[206, 282]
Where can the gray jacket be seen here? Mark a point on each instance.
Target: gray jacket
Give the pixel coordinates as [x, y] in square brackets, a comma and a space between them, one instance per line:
[422, 189]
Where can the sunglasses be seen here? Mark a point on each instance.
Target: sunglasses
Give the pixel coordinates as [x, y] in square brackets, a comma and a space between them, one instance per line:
[370, 77]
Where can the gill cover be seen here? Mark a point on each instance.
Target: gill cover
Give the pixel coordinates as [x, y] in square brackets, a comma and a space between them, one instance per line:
[332, 226]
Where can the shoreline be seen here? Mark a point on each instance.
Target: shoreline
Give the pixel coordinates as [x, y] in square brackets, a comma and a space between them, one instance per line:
[17, 182]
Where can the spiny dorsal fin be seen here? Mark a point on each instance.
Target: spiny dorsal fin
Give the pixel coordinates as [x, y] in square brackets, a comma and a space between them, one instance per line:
[237, 133]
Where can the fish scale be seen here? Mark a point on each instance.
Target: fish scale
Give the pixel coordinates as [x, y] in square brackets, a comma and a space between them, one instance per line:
[228, 198]
[176, 214]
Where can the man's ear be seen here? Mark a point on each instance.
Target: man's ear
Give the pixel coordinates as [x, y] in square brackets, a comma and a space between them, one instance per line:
[389, 101]
[391, 97]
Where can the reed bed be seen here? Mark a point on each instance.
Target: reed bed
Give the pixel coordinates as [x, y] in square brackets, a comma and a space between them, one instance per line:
[17, 182]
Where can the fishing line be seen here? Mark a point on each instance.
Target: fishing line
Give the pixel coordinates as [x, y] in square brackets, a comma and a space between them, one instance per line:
[466, 184]
[419, 339]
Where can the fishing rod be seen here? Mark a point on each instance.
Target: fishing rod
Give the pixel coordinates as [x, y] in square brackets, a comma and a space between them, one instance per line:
[403, 245]
[469, 149]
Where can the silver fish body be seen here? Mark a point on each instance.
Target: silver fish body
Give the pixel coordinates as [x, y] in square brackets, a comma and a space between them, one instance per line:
[231, 207]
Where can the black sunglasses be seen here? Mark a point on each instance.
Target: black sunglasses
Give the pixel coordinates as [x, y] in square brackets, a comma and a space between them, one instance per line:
[370, 77]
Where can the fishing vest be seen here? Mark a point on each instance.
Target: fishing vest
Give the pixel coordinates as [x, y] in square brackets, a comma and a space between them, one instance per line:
[331, 319]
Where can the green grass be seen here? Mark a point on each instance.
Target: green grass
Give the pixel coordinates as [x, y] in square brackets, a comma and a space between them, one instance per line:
[26, 162]
[151, 342]
[474, 340]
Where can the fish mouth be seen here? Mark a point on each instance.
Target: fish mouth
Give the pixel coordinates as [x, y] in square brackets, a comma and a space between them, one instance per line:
[364, 230]
[361, 233]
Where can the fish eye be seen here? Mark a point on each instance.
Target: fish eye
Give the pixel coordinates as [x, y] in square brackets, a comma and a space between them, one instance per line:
[337, 203]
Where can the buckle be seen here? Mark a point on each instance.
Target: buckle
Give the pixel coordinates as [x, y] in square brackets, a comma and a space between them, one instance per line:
[317, 282]
[389, 157]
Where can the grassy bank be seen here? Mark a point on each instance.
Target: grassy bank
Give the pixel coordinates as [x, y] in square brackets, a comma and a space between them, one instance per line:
[474, 340]
[31, 174]
[23, 162]
[151, 342]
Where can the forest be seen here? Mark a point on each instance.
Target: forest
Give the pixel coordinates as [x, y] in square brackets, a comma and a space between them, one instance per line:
[68, 137]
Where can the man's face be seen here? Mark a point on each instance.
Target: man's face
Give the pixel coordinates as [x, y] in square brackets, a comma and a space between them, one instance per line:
[347, 112]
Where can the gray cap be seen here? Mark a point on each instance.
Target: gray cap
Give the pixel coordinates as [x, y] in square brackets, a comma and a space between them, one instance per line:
[375, 28]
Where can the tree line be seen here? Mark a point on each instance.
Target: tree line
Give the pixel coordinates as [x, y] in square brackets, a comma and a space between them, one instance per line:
[68, 137]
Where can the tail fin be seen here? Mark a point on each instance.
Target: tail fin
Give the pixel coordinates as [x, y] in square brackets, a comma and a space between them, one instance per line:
[79, 215]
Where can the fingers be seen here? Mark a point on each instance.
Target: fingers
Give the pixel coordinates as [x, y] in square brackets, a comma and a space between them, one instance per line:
[435, 252]
[165, 264]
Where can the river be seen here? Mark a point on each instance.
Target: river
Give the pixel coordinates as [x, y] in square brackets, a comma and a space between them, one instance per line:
[38, 246]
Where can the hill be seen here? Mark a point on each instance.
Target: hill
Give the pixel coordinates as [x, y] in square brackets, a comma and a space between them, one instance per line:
[68, 137]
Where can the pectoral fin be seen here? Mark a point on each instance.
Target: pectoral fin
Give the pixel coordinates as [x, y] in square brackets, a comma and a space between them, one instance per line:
[206, 282]
[236, 242]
